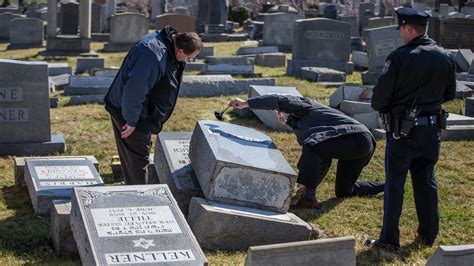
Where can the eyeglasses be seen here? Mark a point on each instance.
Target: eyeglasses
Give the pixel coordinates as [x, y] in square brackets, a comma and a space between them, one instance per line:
[189, 59]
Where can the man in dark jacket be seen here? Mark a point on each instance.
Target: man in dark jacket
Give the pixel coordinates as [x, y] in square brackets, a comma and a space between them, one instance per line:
[418, 77]
[144, 93]
[324, 133]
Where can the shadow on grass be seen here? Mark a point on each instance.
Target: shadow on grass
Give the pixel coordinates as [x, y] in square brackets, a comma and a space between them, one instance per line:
[379, 256]
[23, 234]
[313, 214]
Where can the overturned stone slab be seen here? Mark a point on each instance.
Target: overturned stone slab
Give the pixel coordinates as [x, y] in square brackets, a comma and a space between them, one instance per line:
[271, 60]
[356, 107]
[79, 85]
[228, 65]
[219, 156]
[61, 234]
[452, 255]
[55, 69]
[451, 133]
[459, 120]
[228, 69]
[49, 180]
[218, 85]
[194, 66]
[230, 60]
[104, 72]
[132, 225]
[173, 167]
[464, 59]
[257, 50]
[323, 75]
[228, 227]
[360, 59]
[269, 117]
[469, 107]
[19, 165]
[333, 251]
[463, 89]
[86, 99]
[370, 120]
[205, 52]
[86, 64]
[57, 144]
[351, 92]
[58, 82]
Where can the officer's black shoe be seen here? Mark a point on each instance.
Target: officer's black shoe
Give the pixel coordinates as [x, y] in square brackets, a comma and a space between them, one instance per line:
[375, 243]
[422, 240]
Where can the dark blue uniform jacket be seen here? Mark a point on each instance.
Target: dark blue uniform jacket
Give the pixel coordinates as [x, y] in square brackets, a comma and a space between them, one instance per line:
[145, 90]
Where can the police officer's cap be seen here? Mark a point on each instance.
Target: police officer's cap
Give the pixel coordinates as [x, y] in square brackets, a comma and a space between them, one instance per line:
[411, 16]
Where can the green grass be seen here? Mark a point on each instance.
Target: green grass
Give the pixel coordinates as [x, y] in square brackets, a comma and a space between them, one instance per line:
[25, 238]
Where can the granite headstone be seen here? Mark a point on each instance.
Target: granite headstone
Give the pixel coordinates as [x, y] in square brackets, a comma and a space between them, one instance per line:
[457, 33]
[181, 22]
[24, 98]
[227, 227]
[380, 43]
[5, 19]
[48, 180]
[173, 167]
[278, 30]
[460, 255]
[70, 18]
[333, 251]
[219, 156]
[125, 30]
[26, 32]
[131, 225]
[320, 42]
[269, 117]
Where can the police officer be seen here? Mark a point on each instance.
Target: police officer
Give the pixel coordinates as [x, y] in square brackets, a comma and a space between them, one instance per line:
[417, 78]
[325, 134]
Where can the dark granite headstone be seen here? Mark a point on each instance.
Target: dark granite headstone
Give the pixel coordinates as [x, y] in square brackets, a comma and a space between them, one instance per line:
[278, 30]
[48, 180]
[457, 33]
[320, 42]
[5, 19]
[97, 18]
[24, 105]
[131, 225]
[173, 167]
[26, 32]
[380, 43]
[330, 12]
[70, 18]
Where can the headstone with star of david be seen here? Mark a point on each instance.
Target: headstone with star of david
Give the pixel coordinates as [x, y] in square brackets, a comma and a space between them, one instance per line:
[132, 225]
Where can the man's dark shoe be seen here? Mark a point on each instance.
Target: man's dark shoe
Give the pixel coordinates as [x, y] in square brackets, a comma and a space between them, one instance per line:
[307, 204]
[375, 243]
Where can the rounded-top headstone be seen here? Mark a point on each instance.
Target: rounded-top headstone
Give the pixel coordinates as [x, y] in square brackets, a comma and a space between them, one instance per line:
[283, 8]
[127, 28]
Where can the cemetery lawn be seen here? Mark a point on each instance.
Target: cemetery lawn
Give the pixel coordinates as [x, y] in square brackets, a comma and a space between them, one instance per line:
[25, 238]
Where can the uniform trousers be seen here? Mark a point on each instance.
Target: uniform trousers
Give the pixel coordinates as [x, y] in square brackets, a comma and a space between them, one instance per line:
[418, 154]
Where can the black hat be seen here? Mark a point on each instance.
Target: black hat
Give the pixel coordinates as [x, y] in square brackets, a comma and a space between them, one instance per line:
[411, 16]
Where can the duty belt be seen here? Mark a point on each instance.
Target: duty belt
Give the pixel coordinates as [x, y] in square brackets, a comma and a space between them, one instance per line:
[423, 121]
